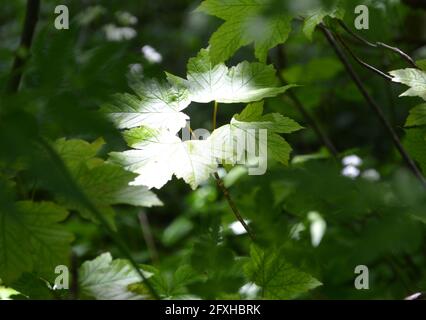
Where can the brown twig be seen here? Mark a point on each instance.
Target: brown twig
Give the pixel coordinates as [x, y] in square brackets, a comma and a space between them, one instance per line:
[398, 51]
[312, 123]
[372, 103]
[231, 203]
[309, 119]
[224, 189]
[361, 62]
[30, 23]
[214, 114]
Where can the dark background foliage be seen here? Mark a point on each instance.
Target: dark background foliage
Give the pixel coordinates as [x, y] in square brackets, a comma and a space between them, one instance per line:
[71, 73]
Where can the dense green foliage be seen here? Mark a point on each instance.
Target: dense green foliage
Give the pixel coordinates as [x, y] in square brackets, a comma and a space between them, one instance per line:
[95, 174]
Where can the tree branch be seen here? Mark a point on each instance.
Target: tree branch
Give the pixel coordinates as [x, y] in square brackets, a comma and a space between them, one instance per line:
[214, 114]
[361, 62]
[31, 18]
[301, 108]
[231, 203]
[225, 191]
[398, 51]
[372, 103]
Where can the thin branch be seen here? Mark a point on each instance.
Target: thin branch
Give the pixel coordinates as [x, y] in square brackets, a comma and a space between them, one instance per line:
[361, 62]
[312, 123]
[214, 115]
[309, 119]
[389, 91]
[372, 103]
[398, 51]
[356, 36]
[225, 191]
[147, 234]
[231, 203]
[30, 23]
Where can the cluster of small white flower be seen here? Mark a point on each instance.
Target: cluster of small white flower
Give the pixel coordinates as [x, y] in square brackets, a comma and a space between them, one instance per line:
[351, 169]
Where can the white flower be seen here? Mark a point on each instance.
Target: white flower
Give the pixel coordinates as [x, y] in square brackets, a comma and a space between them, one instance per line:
[249, 290]
[371, 175]
[126, 18]
[151, 54]
[352, 160]
[136, 68]
[317, 227]
[237, 228]
[296, 230]
[350, 172]
[114, 33]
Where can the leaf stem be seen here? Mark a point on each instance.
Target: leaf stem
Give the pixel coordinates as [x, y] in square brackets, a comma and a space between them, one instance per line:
[215, 114]
[231, 203]
[361, 62]
[304, 112]
[192, 132]
[398, 51]
[225, 190]
[372, 103]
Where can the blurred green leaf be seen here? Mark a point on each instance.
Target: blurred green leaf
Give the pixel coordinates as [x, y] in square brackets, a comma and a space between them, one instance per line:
[106, 279]
[277, 278]
[34, 241]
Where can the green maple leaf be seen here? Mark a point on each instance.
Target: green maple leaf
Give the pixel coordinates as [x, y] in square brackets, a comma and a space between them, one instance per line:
[76, 153]
[277, 278]
[32, 286]
[32, 240]
[106, 184]
[245, 82]
[157, 105]
[6, 293]
[316, 17]
[169, 285]
[109, 184]
[247, 124]
[245, 23]
[159, 154]
[417, 116]
[106, 279]
[263, 22]
[414, 78]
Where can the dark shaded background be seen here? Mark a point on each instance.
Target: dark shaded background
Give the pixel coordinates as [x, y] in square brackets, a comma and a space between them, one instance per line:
[71, 73]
